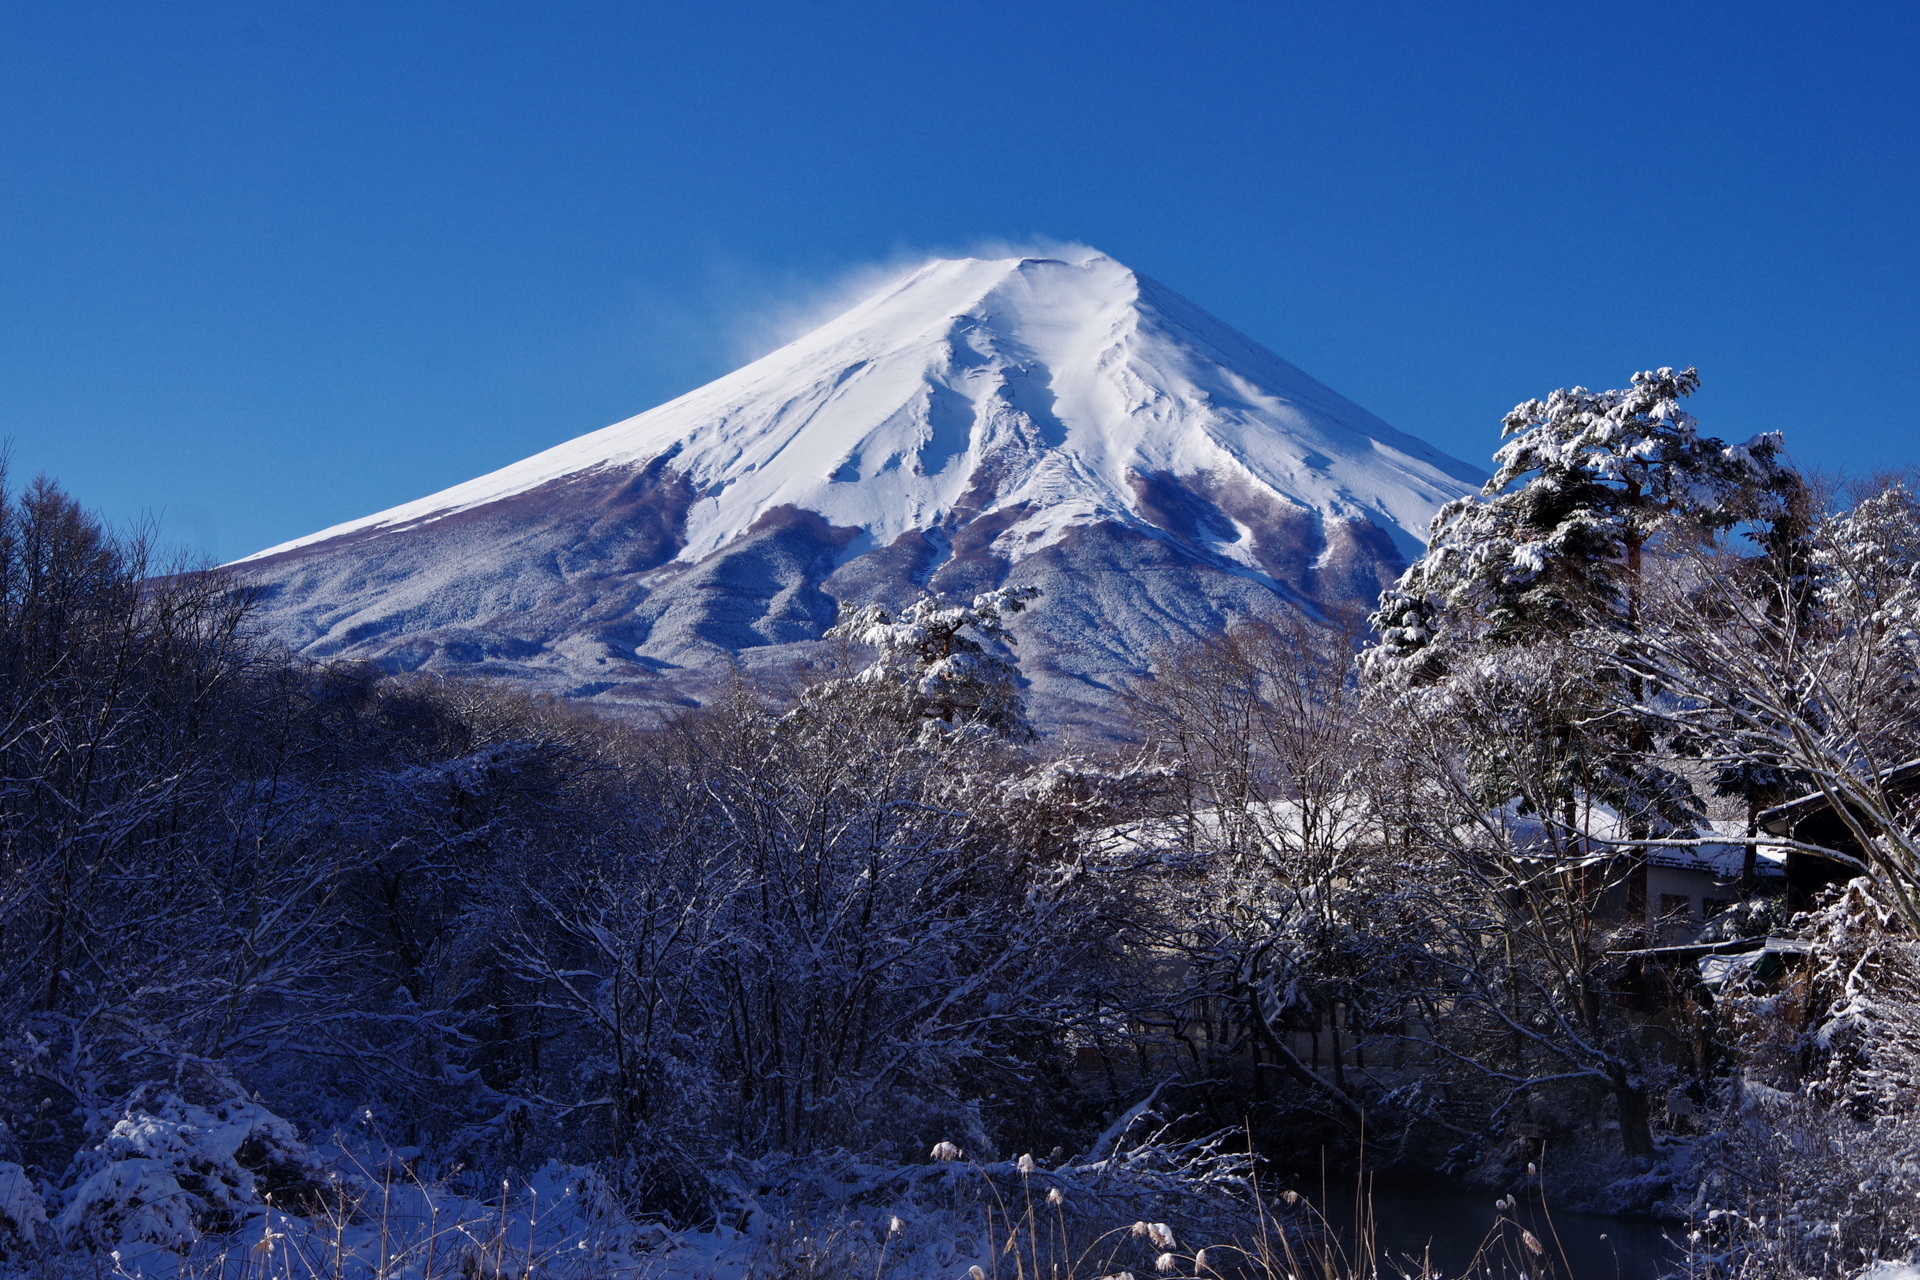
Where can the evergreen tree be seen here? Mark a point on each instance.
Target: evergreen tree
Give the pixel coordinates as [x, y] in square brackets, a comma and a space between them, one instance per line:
[1586, 484]
[954, 659]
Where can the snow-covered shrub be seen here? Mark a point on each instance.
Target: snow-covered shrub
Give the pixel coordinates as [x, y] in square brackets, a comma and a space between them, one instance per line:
[1813, 1168]
[170, 1171]
[23, 1214]
[832, 930]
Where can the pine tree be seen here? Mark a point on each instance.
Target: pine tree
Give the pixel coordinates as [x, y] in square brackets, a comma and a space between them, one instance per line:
[953, 659]
[1586, 484]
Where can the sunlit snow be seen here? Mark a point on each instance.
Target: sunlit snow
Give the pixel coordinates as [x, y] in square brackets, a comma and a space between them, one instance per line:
[1059, 378]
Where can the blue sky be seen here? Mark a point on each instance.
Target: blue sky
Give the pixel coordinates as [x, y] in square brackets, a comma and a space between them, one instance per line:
[266, 267]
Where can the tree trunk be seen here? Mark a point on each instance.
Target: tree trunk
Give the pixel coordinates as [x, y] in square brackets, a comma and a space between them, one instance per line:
[1636, 1117]
[1750, 859]
[1286, 1060]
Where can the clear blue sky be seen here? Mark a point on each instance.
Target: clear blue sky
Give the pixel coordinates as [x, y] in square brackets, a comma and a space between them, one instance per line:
[265, 267]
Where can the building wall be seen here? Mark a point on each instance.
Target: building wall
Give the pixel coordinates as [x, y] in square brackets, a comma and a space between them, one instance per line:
[1680, 901]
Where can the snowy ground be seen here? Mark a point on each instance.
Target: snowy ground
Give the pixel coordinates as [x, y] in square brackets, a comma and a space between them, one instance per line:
[229, 1190]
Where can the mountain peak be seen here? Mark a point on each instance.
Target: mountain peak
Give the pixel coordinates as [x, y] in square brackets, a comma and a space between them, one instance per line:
[972, 416]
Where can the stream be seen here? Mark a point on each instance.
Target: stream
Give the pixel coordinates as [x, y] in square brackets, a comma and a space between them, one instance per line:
[1449, 1222]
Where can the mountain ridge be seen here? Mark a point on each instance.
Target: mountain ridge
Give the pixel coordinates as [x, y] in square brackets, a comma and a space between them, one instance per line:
[976, 422]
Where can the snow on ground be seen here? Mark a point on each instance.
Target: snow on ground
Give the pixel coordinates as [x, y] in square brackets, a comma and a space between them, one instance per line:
[228, 1191]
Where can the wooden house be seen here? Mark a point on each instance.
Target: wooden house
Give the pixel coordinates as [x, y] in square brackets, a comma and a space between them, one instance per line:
[1813, 819]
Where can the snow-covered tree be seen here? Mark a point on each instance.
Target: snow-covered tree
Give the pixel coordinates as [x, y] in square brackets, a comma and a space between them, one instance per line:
[1590, 488]
[1273, 914]
[954, 659]
[1506, 662]
[1812, 1164]
[831, 929]
[1587, 482]
[1803, 668]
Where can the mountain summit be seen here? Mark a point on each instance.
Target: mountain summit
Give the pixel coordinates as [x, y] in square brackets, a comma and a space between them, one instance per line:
[1061, 422]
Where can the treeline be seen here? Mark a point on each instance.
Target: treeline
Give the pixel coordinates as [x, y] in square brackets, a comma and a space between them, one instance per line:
[1377, 880]
[504, 930]
[1434, 836]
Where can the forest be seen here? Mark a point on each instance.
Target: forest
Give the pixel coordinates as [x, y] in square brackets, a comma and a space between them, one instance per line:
[860, 975]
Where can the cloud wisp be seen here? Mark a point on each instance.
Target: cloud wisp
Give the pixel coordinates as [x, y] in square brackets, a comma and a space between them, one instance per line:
[791, 304]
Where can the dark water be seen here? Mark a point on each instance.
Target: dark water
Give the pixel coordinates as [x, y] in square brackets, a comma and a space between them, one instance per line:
[1450, 1223]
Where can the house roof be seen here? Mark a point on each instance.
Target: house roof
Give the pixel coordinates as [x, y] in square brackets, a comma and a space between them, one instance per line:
[1602, 824]
[1343, 819]
[1784, 815]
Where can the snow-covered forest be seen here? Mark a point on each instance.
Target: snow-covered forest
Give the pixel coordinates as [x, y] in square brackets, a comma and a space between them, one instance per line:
[311, 969]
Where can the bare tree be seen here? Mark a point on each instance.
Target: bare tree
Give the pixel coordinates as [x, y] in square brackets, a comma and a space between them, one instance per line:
[1801, 661]
[1274, 841]
[829, 932]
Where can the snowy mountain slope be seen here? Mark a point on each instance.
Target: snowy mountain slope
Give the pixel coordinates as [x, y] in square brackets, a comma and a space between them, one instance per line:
[979, 421]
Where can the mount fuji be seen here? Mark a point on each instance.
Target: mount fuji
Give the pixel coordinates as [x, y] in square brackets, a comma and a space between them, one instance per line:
[1055, 421]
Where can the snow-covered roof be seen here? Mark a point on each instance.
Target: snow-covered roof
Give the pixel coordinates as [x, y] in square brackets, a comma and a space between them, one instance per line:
[1601, 827]
[1341, 819]
[1279, 824]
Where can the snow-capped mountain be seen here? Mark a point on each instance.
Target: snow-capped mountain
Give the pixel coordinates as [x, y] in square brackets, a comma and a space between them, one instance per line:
[1066, 423]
